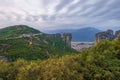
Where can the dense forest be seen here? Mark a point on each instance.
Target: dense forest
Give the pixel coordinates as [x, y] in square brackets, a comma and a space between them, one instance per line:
[21, 41]
[101, 62]
[20, 48]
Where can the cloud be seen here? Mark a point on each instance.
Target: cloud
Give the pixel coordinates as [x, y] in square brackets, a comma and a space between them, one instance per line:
[60, 14]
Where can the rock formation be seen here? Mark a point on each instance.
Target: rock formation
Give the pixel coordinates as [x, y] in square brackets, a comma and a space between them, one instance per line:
[66, 37]
[104, 35]
[117, 34]
[109, 34]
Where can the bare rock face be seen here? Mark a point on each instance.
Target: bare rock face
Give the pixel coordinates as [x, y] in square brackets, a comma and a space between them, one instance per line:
[21, 27]
[107, 35]
[67, 37]
[104, 35]
[58, 35]
[117, 34]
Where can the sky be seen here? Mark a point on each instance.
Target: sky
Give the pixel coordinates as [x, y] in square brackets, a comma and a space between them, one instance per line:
[61, 14]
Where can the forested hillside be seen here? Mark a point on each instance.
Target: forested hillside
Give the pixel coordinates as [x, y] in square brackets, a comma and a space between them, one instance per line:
[17, 30]
[101, 62]
[24, 42]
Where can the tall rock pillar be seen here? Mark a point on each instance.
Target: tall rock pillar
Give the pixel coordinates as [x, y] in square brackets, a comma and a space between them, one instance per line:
[67, 37]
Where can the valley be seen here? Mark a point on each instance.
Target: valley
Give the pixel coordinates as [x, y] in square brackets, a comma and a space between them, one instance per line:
[59, 40]
[29, 54]
[79, 46]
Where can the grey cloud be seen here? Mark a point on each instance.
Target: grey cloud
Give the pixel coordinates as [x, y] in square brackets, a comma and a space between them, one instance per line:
[81, 14]
[101, 5]
[32, 18]
[62, 4]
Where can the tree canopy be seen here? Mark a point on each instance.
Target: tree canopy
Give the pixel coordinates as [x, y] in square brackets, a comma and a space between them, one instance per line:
[101, 62]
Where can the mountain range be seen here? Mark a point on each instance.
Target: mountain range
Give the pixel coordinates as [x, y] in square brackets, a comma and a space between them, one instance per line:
[84, 34]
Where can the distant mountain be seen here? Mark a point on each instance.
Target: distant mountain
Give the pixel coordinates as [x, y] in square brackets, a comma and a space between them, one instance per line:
[61, 31]
[22, 41]
[84, 34]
